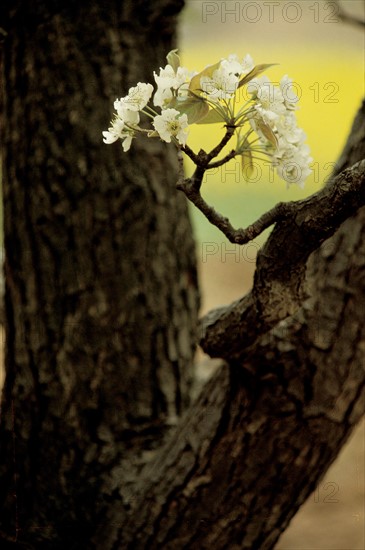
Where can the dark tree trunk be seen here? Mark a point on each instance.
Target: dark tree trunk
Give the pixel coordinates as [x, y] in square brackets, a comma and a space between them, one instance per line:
[101, 300]
[273, 418]
[101, 312]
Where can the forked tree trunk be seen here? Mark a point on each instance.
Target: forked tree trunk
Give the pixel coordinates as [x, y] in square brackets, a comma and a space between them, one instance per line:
[101, 309]
[102, 299]
[270, 422]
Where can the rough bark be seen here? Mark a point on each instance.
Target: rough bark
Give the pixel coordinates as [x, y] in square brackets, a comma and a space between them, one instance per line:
[90, 305]
[279, 284]
[273, 418]
[101, 301]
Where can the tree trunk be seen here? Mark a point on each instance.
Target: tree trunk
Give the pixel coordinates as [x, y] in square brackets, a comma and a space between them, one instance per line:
[101, 312]
[273, 418]
[101, 290]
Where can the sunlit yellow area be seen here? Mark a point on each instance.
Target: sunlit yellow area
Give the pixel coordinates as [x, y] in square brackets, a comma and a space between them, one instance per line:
[325, 59]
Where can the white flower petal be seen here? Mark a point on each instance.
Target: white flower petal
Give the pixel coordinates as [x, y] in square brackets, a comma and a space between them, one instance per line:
[137, 98]
[222, 84]
[170, 123]
[109, 137]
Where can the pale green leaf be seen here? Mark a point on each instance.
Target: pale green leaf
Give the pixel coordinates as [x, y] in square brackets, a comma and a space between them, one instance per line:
[173, 59]
[195, 108]
[213, 117]
[267, 131]
[247, 163]
[195, 85]
[258, 69]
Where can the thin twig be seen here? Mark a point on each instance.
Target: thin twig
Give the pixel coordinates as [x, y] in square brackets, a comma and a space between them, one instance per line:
[237, 236]
[281, 263]
[190, 153]
[218, 163]
[218, 148]
[191, 188]
[202, 158]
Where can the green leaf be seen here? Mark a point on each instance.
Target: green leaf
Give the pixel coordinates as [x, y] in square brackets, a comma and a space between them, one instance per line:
[258, 69]
[213, 117]
[267, 131]
[173, 59]
[247, 163]
[195, 85]
[195, 108]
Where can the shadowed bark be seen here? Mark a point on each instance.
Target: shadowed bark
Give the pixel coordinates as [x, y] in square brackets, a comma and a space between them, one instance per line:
[101, 314]
[273, 418]
[101, 301]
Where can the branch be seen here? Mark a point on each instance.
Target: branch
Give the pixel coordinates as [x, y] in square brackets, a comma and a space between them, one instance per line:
[237, 236]
[331, 207]
[263, 431]
[354, 149]
[225, 159]
[202, 160]
[218, 148]
[281, 265]
[190, 153]
[266, 426]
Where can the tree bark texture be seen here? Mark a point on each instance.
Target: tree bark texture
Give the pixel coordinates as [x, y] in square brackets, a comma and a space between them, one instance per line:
[101, 286]
[101, 309]
[273, 418]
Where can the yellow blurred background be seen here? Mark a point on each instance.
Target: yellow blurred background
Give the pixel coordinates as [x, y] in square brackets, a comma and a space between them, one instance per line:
[325, 59]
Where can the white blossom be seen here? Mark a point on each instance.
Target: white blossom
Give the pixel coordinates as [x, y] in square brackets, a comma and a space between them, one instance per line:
[295, 169]
[166, 78]
[271, 114]
[269, 98]
[286, 126]
[162, 97]
[137, 98]
[247, 64]
[114, 132]
[222, 84]
[169, 79]
[290, 97]
[170, 123]
[128, 116]
[233, 66]
[292, 161]
[119, 130]
[291, 155]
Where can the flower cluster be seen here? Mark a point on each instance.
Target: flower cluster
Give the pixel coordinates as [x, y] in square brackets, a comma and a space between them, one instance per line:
[125, 122]
[265, 125]
[170, 82]
[224, 80]
[274, 121]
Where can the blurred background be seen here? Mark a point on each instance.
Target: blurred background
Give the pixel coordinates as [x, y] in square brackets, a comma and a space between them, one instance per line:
[325, 59]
